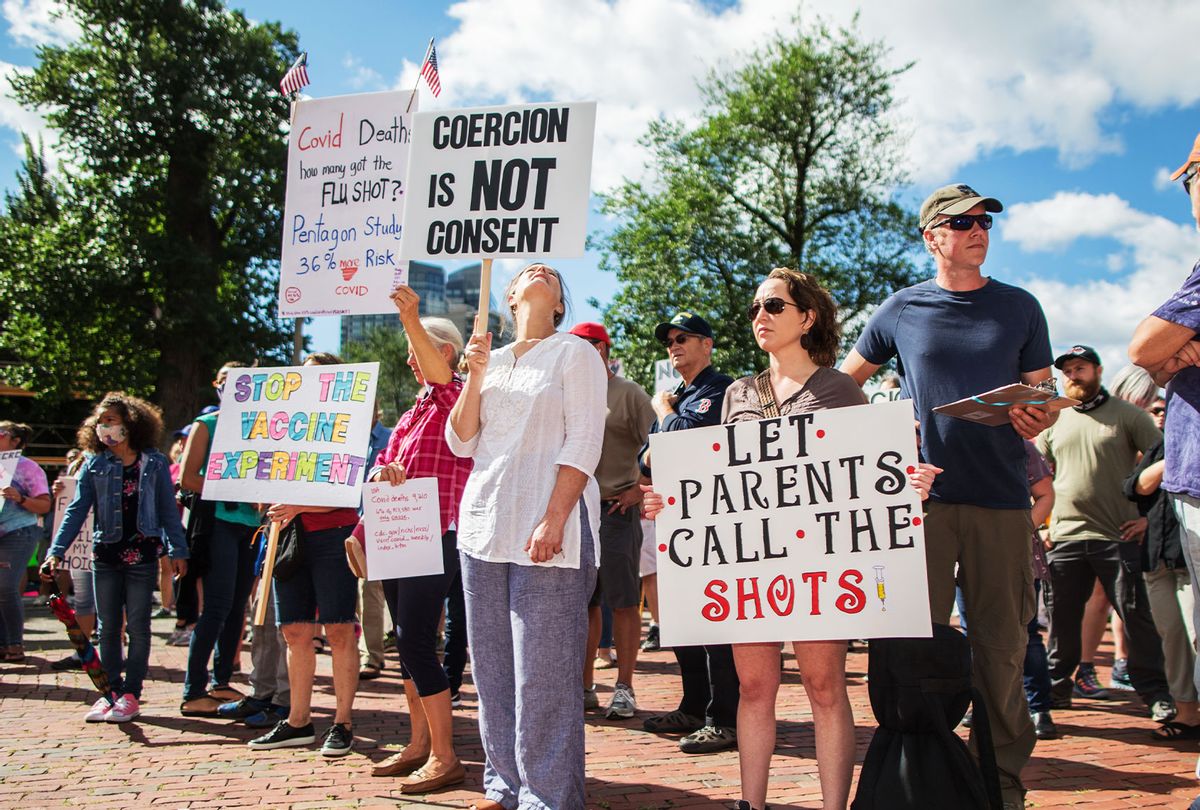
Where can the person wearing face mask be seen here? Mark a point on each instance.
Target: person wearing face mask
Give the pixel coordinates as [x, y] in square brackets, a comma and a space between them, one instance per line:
[126, 483]
[25, 497]
[227, 582]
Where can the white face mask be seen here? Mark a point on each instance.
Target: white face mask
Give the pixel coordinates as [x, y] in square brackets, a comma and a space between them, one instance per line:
[111, 435]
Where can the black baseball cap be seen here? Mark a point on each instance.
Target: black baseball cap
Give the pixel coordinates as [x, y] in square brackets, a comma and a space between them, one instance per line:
[1084, 352]
[687, 322]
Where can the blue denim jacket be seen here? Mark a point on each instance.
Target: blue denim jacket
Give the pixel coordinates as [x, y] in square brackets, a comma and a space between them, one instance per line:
[100, 489]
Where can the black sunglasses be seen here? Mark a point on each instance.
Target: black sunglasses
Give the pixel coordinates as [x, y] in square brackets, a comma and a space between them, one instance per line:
[679, 339]
[964, 222]
[1158, 410]
[1189, 177]
[773, 306]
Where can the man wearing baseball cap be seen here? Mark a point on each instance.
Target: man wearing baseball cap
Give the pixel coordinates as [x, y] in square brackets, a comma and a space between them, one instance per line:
[1165, 345]
[957, 335]
[1095, 531]
[626, 428]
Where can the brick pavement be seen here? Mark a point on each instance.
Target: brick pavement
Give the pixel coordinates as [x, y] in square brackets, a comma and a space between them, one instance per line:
[51, 758]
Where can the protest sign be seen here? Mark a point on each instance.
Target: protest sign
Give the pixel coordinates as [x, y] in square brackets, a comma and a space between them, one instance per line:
[295, 435]
[79, 553]
[798, 528]
[666, 378]
[347, 161]
[403, 526]
[8, 466]
[500, 182]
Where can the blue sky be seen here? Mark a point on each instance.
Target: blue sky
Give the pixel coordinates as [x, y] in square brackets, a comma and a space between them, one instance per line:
[1072, 113]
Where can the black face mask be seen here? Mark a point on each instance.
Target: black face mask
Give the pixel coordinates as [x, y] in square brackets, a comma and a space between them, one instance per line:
[1093, 403]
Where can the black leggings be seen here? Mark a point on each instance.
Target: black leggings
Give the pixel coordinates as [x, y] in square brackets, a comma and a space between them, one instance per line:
[416, 607]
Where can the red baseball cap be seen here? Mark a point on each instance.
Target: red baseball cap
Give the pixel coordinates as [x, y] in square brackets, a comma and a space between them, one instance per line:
[1194, 157]
[590, 330]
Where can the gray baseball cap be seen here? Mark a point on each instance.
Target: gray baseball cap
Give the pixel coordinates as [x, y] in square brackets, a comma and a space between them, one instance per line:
[955, 199]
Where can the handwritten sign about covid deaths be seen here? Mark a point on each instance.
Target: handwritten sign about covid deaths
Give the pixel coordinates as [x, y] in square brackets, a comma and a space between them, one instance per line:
[79, 553]
[347, 161]
[295, 435]
[798, 528]
[500, 182]
[403, 529]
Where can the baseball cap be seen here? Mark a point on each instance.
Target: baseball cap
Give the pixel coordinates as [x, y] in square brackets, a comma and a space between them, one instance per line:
[687, 322]
[590, 330]
[1193, 157]
[1084, 352]
[955, 199]
[183, 431]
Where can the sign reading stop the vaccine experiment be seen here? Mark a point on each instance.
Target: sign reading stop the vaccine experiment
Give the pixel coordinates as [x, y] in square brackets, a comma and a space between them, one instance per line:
[295, 435]
[347, 161]
[500, 182]
[798, 528]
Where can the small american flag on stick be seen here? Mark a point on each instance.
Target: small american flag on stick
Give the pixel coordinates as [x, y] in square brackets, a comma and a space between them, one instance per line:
[296, 77]
[430, 71]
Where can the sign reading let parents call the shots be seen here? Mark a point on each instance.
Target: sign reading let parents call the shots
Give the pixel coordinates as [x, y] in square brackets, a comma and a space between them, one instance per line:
[347, 161]
[798, 528]
[295, 435]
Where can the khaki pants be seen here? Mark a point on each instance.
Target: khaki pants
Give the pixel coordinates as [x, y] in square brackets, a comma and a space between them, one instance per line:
[995, 570]
[371, 610]
[1171, 604]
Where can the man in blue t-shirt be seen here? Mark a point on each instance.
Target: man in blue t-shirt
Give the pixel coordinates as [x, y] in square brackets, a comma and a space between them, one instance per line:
[1165, 345]
[954, 336]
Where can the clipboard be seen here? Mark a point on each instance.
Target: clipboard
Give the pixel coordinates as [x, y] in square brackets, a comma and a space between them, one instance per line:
[991, 407]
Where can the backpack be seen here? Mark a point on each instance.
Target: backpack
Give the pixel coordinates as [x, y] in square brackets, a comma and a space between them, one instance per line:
[920, 689]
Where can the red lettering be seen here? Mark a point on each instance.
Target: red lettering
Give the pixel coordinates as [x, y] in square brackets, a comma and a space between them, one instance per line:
[815, 578]
[853, 600]
[718, 609]
[748, 595]
[781, 595]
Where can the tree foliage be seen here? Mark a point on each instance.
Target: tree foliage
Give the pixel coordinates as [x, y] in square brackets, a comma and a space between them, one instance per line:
[397, 388]
[793, 163]
[172, 124]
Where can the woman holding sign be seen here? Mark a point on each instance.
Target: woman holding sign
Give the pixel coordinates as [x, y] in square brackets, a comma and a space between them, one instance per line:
[795, 322]
[25, 497]
[532, 417]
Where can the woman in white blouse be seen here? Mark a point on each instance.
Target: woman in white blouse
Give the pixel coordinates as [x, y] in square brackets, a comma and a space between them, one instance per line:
[532, 417]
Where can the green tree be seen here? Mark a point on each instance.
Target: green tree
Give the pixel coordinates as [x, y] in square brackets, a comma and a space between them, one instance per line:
[793, 163]
[170, 115]
[397, 387]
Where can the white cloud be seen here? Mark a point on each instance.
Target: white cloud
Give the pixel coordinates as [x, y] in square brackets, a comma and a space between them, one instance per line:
[38, 22]
[1102, 312]
[20, 119]
[1162, 179]
[363, 78]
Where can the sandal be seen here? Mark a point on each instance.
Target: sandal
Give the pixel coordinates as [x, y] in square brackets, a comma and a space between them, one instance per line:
[204, 706]
[14, 655]
[225, 693]
[370, 672]
[1172, 731]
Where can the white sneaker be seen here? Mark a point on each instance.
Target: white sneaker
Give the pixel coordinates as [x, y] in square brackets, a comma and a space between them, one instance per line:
[622, 706]
[99, 711]
[125, 709]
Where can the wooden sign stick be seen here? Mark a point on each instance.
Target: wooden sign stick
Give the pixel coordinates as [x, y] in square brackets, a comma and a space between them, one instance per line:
[485, 297]
[264, 585]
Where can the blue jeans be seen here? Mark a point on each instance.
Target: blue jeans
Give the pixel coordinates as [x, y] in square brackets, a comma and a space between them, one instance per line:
[226, 591]
[528, 628]
[124, 591]
[16, 548]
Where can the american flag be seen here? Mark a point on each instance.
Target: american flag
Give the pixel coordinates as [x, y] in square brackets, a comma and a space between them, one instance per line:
[296, 77]
[430, 71]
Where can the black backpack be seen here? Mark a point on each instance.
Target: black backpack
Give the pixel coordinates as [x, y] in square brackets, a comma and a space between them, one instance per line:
[920, 689]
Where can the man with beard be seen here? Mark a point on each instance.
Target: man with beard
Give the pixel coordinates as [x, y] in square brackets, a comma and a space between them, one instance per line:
[1095, 529]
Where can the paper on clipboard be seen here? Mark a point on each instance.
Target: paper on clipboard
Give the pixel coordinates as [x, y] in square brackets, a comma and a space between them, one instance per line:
[991, 407]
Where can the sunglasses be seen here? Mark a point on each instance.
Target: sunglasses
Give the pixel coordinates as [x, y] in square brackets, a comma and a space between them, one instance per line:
[964, 222]
[1189, 177]
[1158, 411]
[773, 306]
[679, 339]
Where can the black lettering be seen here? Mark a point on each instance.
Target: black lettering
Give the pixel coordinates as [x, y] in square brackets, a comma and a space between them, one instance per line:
[721, 494]
[787, 471]
[894, 481]
[686, 534]
[767, 553]
[712, 544]
[685, 497]
[852, 468]
[542, 166]
[895, 526]
[828, 519]
[801, 422]
[731, 443]
[857, 528]
[750, 491]
[440, 139]
[815, 482]
[768, 433]
[737, 545]
[485, 183]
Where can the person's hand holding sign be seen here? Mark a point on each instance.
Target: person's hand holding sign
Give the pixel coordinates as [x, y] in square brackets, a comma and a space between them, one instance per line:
[284, 513]
[652, 502]
[393, 473]
[921, 478]
[477, 353]
[407, 303]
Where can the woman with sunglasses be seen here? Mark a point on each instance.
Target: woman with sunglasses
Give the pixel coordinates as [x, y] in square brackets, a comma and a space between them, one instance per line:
[795, 322]
[24, 498]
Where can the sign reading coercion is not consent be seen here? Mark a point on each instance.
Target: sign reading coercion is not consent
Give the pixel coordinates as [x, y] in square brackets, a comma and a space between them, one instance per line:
[295, 435]
[500, 182]
[347, 161]
[798, 528]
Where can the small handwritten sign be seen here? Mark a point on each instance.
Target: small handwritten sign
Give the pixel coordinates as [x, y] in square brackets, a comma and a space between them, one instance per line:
[79, 553]
[403, 528]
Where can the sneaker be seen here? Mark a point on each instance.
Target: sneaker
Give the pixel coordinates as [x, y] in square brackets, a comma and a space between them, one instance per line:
[99, 711]
[672, 721]
[283, 735]
[241, 709]
[181, 637]
[590, 700]
[267, 718]
[162, 613]
[1119, 679]
[63, 664]
[1043, 726]
[708, 740]
[1163, 710]
[651, 643]
[338, 741]
[968, 718]
[1087, 685]
[1060, 702]
[125, 709]
[622, 706]
[456, 699]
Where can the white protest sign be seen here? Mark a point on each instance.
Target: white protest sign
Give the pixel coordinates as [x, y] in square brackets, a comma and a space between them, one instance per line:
[79, 553]
[666, 378]
[500, 182]
[8, 469]
[347, 161]
[403, 529]
[798, 528]
[295, 435]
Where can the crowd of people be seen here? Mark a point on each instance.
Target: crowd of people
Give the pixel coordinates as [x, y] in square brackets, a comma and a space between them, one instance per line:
[541, 453]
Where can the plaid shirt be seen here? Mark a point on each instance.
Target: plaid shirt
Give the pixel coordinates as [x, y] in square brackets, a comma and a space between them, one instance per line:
[419, 443]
